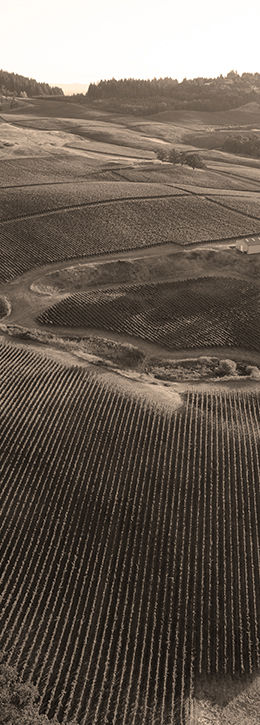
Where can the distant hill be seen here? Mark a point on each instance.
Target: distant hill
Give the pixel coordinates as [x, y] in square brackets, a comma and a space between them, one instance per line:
[167, 94]
[12, 84]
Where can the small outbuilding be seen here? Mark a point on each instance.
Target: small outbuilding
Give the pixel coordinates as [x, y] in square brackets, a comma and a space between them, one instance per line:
[249, 245]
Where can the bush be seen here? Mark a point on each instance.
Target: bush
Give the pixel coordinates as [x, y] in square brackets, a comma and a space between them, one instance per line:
[227, 367]
[194, 160]
[253, 371]
[19, 701]
[162, 155]
[175, 157]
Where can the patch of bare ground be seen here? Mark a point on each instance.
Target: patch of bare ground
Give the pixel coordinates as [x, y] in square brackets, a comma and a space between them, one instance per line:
[226, 700]
[136, 385]
[131, 369]
[147, 267]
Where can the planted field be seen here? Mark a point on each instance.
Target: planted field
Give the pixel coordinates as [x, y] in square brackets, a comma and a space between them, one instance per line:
[114, 226]
[36, 170]
[194, 313]
[207, 178]
[130, 541]
[33, 200]
[247, 206]
[250, 169]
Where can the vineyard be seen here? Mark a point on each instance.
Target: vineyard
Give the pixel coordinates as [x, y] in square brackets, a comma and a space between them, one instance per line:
[209, 179]
[38, 199]
[129, 541]
[243, 204]
[114, 226]
[202, 312]
[46, 169]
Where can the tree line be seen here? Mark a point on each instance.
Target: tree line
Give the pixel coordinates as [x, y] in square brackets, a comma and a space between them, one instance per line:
[13, 84]
[219, 93]
[185, 158]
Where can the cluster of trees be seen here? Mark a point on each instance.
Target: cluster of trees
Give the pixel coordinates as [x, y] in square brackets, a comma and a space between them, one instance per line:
[167, 93]
[12, 84]
[248, 144]
[187, 158]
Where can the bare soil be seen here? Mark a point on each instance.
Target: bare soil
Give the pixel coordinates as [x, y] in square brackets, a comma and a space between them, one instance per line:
[226, 700]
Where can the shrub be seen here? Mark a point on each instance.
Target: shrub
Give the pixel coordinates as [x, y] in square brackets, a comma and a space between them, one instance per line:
[19, 701]
[227, 367]
[194, 160]
[253, 371]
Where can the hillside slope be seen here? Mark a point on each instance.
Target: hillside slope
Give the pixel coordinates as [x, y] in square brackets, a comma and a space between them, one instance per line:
[129, 541]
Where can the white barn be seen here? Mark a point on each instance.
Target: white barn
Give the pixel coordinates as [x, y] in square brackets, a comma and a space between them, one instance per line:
[249, 245]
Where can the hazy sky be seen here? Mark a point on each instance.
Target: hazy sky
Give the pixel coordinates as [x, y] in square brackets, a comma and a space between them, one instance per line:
[86, 40]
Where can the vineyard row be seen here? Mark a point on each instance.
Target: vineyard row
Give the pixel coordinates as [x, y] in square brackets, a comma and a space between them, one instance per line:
[129, 541]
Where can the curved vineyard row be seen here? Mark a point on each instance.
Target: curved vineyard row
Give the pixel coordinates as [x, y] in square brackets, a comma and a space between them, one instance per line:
[193, 313]
[129, 542]
[28, 243]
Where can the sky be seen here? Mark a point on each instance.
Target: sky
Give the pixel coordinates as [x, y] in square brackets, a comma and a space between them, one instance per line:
[82, 41]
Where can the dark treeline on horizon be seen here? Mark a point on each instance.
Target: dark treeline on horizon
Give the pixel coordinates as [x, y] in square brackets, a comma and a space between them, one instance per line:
[13, 84]
[168, 93]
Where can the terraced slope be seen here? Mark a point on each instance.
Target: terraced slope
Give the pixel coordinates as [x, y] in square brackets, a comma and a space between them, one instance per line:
[115, 226]
[186, 314]
[130, 540]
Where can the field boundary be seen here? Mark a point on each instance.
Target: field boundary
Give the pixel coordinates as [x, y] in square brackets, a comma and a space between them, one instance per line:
[219, 203]
[74, 207]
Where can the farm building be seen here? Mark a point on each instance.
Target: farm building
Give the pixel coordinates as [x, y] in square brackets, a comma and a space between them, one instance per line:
[249, 246]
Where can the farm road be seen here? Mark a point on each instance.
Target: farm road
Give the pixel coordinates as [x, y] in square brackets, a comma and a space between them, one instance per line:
[27, 304]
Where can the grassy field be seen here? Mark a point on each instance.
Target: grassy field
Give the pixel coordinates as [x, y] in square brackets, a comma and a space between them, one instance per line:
[204, 312]
[95, 130]
[110, 149]
[129, 541]
[234, 117]
[114, 226]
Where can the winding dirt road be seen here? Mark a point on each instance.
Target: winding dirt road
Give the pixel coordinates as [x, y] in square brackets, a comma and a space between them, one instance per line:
[26, 304]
